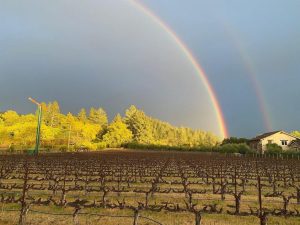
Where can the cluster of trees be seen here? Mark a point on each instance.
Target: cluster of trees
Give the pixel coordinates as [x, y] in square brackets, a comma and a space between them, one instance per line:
[92, 130]
[296, 133]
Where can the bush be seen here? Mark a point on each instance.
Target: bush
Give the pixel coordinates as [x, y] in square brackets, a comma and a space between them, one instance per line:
[234, 148]
[101, 145]
[273, 149]
[63, 148]
[88, 145]
[227, 148]
[234, 140]
[292, 153]
[134, 145]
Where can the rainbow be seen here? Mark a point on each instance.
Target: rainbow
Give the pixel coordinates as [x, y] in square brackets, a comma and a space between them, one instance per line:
[257, 88]
[187, 52]
[249, 66]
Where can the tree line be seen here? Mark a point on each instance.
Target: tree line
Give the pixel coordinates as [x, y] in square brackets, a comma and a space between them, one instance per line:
[92, 130]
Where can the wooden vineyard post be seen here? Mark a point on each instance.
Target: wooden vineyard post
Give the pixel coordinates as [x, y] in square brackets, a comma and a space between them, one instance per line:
[75, 216]
[63, 192]
[236, 196]
[24, 205]
[136, 216]
[262, 215]
[298, 196]
[223, 187]
[198, 218]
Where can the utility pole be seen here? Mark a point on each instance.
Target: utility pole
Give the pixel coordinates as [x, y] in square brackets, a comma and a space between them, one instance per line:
[38, 129]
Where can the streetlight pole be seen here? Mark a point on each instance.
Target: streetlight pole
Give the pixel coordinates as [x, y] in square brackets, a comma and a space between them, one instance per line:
[38, 129]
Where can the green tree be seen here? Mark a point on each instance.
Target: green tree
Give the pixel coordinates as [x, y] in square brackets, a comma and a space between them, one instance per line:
[98, 116]
[117, 133]
[140, 125]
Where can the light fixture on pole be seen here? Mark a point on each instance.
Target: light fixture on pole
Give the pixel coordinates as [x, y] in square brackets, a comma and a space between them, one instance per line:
[38, 129]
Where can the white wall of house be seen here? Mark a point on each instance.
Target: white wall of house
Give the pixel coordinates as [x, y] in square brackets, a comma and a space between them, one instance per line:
[282, 139]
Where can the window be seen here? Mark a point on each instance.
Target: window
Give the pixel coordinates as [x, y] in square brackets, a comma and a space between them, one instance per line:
[270, 141]
[284, 142]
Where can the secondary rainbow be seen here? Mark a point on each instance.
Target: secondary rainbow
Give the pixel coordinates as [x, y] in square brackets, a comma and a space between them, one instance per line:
[187, 52]
[249, 66]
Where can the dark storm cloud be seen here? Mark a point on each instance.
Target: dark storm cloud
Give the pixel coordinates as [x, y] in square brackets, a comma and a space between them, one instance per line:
[107, 53]
[270, 34]
[97, 53]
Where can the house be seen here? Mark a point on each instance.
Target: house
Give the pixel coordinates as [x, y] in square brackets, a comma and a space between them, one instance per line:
[295, 145]
[281, 138]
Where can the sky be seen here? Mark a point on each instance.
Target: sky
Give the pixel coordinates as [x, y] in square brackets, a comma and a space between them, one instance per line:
[110, 54]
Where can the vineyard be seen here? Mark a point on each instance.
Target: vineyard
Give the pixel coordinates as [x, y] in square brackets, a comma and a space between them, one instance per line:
[139, 187]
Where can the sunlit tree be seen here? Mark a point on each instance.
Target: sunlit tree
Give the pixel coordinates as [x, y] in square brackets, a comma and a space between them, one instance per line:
[82, 115]
[296, 133]
[140, 125]
[98, 116]
[117, 133]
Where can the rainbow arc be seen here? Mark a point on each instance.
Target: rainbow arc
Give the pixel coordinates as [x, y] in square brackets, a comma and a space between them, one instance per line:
[196, 65]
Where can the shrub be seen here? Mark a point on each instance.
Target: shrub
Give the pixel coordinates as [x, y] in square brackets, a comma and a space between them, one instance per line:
[234, 148]
[89, 146]
[234, 140]
[227, 148]
[63, 148]
[134, 145]
[101, 145]
[273, 149]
